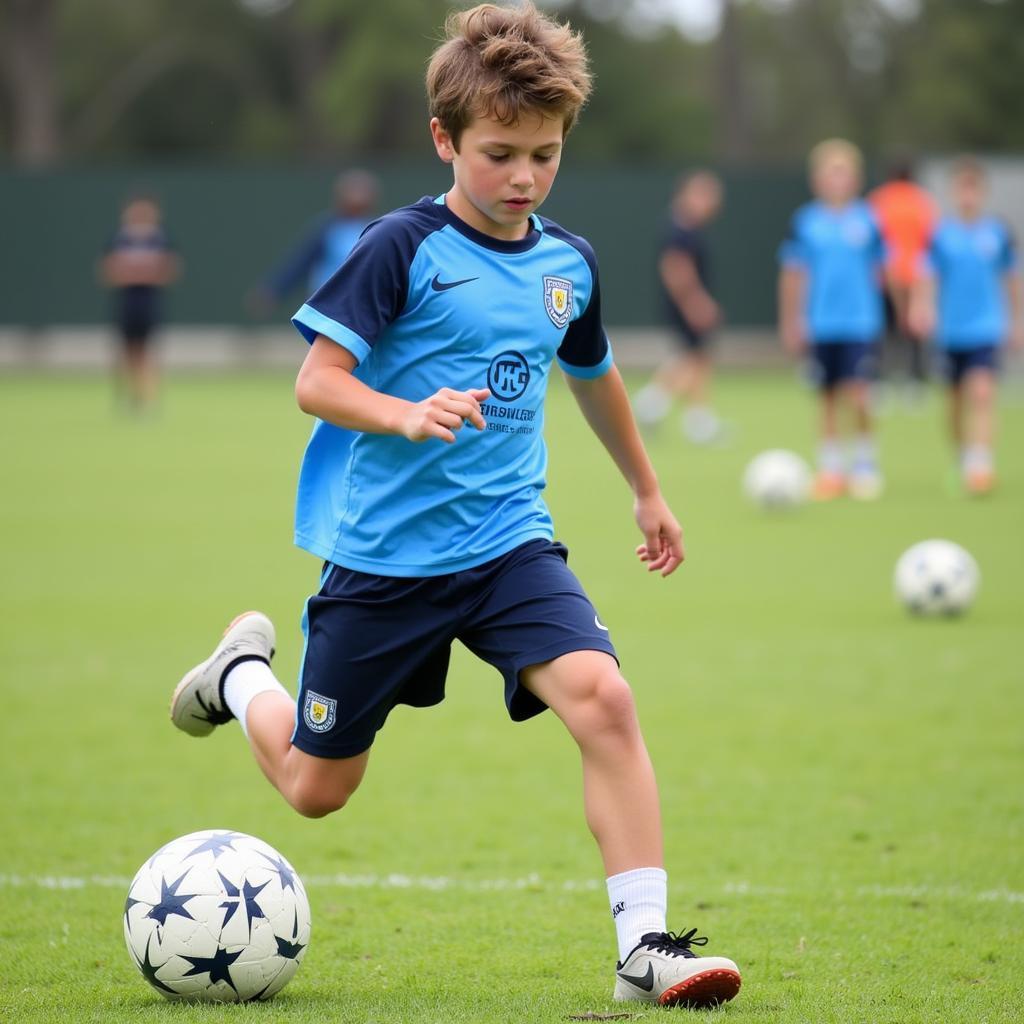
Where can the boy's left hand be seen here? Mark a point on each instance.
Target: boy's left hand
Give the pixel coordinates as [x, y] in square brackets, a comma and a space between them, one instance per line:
[663, 548]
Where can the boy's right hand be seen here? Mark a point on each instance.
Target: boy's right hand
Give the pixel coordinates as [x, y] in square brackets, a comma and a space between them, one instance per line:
[443, 413]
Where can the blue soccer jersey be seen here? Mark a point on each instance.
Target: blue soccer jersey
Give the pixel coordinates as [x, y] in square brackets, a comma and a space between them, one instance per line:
[969, 260]
[841, 252]
[424, 301]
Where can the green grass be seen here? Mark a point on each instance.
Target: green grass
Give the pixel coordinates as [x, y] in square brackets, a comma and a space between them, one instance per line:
[841, 783]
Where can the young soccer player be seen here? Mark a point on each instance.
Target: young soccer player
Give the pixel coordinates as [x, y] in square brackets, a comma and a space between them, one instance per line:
[421, 485]
[971, 265]
[685, 271]
[326, 245]
[830, 303]
[138, 263]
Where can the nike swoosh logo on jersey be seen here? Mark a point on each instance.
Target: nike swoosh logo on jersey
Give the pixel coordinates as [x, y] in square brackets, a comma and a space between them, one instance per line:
[600, 625]
[645, 981]
[442, 286]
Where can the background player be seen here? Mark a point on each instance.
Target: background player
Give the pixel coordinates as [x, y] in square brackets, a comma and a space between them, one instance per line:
[139, 262]
[684, 268]
[447, 312]
[830, 302]
[970, 301]
[906, 214]
[325, 247]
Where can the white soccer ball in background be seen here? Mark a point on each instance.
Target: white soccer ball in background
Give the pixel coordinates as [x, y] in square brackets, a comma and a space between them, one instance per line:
[777, 479]
[936, 577]
[217, 916]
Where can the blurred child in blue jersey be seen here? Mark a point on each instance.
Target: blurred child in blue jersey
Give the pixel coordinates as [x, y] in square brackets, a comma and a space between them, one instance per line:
[138, 263]
[684, 267]
[326, 245]
[970, 302]
[420, 489]
[830, 307]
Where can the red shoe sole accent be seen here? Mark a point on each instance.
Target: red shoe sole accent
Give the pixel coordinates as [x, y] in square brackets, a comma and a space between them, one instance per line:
[709, 988]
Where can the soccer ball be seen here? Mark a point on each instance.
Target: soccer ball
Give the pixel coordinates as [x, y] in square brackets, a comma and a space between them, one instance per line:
[936, 577]
[777, 479]
[217, 916]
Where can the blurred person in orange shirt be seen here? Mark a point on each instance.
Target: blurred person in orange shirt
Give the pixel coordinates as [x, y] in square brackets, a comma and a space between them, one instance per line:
[907, 215]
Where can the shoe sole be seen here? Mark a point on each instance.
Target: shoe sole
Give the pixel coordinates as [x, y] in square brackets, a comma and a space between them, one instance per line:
[703, 990]
[182, 688]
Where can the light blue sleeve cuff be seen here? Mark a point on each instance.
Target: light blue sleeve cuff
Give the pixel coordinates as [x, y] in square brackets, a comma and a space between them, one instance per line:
[589, 372]
[310, 322]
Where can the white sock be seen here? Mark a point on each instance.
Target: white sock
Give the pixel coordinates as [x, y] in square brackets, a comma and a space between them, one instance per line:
[830, 456]
[246, 680]
[639, 901]
[977, 458]
[864, 453]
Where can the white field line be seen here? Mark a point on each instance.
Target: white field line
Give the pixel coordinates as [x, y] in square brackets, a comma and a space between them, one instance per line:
[536, 883]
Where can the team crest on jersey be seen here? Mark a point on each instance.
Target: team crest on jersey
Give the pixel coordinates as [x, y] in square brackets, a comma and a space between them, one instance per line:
[319, 713]
[558, 300]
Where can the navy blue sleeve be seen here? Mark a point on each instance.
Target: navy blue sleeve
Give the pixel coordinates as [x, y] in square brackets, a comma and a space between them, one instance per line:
[367, 292]
[585, 351]
[679, 239]
[296, 266]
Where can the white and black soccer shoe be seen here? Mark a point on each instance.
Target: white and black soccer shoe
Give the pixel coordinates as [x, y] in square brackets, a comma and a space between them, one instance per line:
[197, 706]
[662, 968]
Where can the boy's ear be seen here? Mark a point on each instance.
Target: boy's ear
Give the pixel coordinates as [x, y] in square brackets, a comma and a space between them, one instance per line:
[442, 141]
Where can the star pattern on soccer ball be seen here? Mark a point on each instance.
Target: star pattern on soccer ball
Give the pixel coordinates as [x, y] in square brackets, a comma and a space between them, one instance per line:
[149, 970]
[290, 950]
[216, 844]
[216, 965]
[236, 898]
[171, 901]
[284, 872]
[128, 904]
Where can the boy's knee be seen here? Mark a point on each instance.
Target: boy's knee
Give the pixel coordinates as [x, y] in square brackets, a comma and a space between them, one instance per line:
[610, 708]
[313, 799]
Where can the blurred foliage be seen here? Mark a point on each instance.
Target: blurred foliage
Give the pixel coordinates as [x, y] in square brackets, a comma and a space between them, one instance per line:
[333, 78]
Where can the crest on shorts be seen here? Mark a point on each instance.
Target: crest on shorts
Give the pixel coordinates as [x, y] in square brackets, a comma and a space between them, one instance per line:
[558, 300]
[319, 712]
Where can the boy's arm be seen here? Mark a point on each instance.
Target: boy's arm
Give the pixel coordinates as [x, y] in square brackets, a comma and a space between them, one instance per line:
[792, 284]
[682, 282]
[605, 405]
[325, 388]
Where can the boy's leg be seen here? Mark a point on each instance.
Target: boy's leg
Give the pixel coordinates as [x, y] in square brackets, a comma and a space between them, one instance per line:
[585, 689]
[979, 389]
[830, 481]
[865, 477]
[314, 786]
[620, 794]
[236, 682]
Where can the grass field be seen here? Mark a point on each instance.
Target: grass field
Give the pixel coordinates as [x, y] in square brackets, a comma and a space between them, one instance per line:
[842, 784]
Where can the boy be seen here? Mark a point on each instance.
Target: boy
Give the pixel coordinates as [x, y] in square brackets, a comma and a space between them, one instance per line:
[830, 302]
[139, 262]
[324, 249]
[685, 271]
[450, 312]
[971, 263]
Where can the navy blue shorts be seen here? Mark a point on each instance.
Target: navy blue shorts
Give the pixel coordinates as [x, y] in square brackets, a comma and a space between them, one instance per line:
[136, 313]
[838, 362]
[957, 363]
[376, 641]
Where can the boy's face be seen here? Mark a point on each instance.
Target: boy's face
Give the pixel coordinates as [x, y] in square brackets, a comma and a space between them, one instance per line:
[502, 172]
[968, 193]
[835, 180]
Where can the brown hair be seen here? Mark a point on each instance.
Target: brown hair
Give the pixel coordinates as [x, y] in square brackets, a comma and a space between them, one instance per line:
[967, 166]
[501, 62]
[836, 149]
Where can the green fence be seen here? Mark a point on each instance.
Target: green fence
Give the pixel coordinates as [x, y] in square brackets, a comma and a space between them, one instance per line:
[231, 223]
